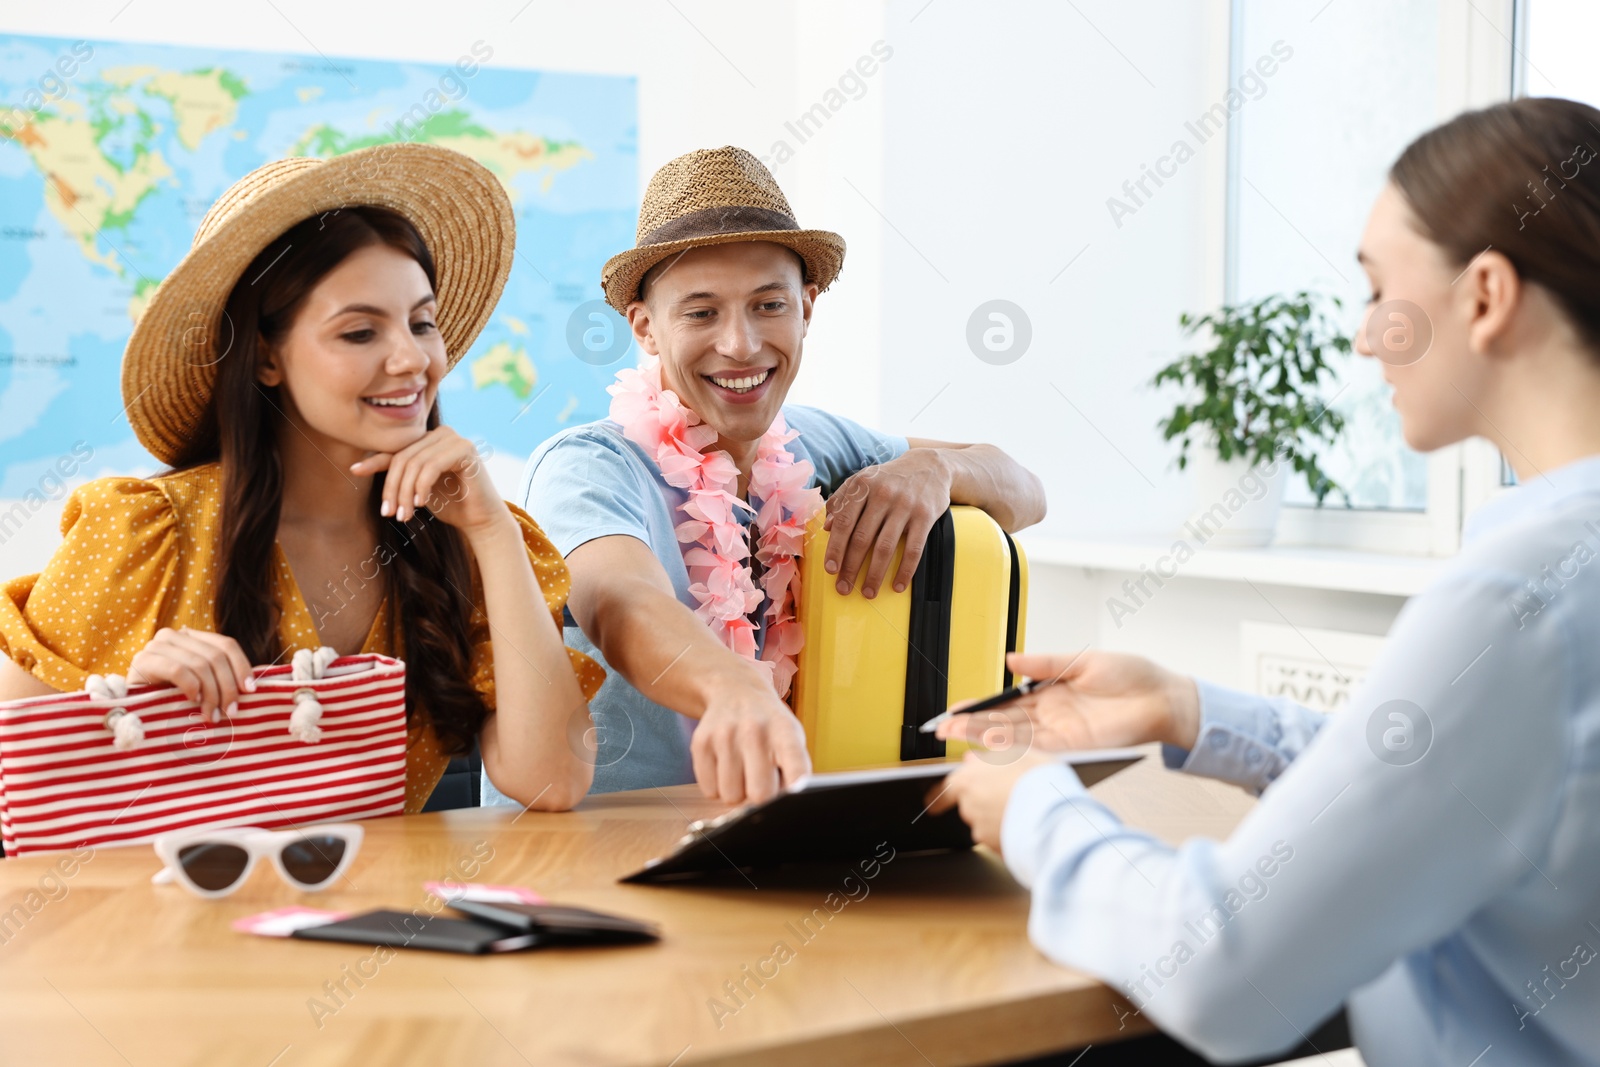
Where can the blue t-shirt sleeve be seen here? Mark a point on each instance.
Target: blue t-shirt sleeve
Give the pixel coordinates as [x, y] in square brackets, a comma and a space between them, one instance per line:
[839, 447]
[582, 486]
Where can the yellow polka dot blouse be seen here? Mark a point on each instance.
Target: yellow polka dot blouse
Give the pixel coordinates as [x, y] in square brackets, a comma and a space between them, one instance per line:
[138, 555]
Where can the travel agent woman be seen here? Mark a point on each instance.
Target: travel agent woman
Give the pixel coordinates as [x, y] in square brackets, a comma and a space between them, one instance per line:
[288, 370]
[1429, 856]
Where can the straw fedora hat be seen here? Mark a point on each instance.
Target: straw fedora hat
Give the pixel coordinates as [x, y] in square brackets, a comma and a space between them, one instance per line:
[715, 196]
[458, 206]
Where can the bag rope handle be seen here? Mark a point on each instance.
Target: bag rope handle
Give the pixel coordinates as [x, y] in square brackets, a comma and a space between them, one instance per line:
[126, 728]
[305, 722]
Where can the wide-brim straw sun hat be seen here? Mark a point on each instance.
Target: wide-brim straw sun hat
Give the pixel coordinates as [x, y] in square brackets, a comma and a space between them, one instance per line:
[458, 206]
[715, 196]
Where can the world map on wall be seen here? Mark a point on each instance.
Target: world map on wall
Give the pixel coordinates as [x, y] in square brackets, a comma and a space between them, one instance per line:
[111, 153]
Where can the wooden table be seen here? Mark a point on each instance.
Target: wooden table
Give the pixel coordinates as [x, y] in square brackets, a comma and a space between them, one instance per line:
[929, 963]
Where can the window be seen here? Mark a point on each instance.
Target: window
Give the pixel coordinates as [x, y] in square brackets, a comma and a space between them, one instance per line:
[1555, 54]
[1550, 58]
[1343, 101]
[1308, 153]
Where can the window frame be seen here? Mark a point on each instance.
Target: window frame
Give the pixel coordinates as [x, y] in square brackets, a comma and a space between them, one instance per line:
[1480, 63]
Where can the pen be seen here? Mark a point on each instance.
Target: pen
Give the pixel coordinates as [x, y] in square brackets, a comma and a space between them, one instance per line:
[1005, 696]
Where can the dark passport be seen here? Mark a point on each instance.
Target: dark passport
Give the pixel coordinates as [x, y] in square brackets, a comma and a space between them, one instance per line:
[560, 924]
[403, 929]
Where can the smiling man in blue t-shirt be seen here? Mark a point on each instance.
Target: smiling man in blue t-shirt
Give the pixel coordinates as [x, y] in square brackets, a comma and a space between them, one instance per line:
[720, 287]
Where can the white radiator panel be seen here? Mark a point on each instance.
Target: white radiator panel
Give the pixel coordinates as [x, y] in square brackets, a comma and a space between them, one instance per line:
[1316, 668]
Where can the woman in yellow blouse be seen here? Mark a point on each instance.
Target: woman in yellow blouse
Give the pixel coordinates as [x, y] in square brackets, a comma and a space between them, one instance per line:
[288, 370]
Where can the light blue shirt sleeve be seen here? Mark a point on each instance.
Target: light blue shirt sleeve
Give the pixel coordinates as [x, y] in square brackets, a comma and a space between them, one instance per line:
[581, 486]
[839, 447]
[1432, 799]
[1245, 739]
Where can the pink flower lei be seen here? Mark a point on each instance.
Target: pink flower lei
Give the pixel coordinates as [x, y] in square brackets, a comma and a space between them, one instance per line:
[716, 546]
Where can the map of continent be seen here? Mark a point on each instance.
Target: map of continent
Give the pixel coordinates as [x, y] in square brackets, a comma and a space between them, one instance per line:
[111, 153]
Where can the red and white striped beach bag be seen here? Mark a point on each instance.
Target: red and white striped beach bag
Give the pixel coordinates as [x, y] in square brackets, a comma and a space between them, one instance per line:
[322, 738]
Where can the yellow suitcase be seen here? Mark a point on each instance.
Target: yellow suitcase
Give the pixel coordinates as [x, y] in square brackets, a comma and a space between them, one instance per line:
[872, 671]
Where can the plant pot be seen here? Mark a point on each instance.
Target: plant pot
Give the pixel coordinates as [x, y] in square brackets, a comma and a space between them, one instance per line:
[1236, 504]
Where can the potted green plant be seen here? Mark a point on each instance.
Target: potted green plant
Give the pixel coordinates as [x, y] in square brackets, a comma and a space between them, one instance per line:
[1253, 410]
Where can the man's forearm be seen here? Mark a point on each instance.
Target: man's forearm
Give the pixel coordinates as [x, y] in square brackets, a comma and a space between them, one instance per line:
[985, 477]
[747, 742]
[663, 649]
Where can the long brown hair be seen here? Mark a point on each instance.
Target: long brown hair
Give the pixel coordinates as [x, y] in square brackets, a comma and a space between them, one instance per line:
[427, 574]
[1523, 178]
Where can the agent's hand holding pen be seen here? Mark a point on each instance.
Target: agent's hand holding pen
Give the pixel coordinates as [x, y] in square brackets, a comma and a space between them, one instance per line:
[1092, 700]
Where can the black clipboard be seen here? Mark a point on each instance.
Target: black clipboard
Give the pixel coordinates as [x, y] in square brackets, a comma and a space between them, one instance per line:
[840, 816]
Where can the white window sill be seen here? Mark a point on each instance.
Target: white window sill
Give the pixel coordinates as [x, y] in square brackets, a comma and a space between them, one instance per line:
[1307, 568]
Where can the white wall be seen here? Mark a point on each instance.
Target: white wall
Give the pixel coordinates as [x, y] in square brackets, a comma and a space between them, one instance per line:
[1009, 127]
[1189, 624]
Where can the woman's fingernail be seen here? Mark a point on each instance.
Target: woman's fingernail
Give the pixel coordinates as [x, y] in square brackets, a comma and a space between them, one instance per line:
[386, 509]
[417, 500]
[250, 684]
[233, 709]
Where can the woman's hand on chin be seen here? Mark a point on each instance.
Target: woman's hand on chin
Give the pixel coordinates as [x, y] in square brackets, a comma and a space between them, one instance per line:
[442, 472]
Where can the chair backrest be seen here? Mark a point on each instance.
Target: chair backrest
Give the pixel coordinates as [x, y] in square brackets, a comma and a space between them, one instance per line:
[459, 786]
